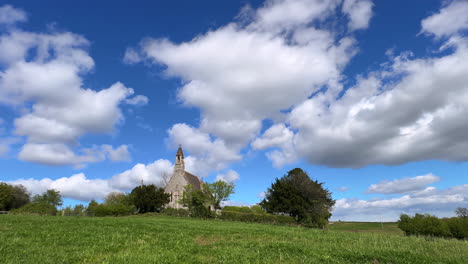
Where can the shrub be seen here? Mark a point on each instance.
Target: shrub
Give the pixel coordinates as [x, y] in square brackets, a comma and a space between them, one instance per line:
[257, 218]
[36, 209]
[176, 212]
[237, 209]
[458, 227]
[257, 209]
[426, 225]
[114, 210]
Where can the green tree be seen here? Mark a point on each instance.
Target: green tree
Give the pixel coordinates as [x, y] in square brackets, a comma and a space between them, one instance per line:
[6, 196]
[198, 202]
[117, 198]
[220, 191]
[12, 196]
[91, 209]
[297, 195]
[149, 198]
[21, 196]
[51, 197]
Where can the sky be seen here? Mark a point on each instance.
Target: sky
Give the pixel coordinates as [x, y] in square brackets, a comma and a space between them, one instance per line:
[368, 97]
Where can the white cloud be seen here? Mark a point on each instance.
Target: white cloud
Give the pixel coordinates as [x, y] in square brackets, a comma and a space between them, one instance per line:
[449, 20]
[61, 154]
[10, 15]
[80, 187]
[206, 155]
[250, 70]
[138, 100]
[342, 189]
[119, 154]
[438, 202]
[229, 177]
[42, 74]
[359, 12]
[279, 15]
[131, 56]
[411, 110]
[277, 136]
[153, 173]
[405, 185]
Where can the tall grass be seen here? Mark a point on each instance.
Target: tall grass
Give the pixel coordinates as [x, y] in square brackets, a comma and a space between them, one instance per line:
[163, 239]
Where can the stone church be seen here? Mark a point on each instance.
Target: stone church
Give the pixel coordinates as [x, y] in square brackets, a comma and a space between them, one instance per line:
[180, 178]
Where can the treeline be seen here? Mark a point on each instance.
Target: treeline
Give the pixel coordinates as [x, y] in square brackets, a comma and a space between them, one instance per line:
[17, 200]
[294, 199]
[429, 225]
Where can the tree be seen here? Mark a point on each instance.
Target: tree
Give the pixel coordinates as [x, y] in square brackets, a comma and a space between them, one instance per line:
[91, 209]
[12, 196]
[117, 198]
[198, 202]
[149, 198]
[21, 196]
[462, 212]
[220, 191]
[51, 197]
[5, 196]
[297, 195]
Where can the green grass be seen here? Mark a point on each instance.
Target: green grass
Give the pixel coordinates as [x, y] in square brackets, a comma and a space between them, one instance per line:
[29, 239]
[384, 228]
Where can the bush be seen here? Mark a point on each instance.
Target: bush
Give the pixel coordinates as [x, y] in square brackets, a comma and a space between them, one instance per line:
[237, 209]
[426, 225]
[257, 218]
[176, 212]
[36, 209]
[113, 210]
[458, 227]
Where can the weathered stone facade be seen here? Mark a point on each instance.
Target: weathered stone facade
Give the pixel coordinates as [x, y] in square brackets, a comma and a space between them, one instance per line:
[180, 178]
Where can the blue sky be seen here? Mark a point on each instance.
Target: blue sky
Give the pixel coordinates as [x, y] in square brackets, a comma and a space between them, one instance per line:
[366, 96]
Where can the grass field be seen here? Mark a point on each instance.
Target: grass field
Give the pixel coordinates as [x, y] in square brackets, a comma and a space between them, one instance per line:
[383, 228]
[29, 239]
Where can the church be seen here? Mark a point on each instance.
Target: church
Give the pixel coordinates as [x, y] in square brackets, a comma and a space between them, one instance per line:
[180, 178]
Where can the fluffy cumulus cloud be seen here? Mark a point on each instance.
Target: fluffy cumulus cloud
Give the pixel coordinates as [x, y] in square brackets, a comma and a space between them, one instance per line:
[449, 20]
[359, 12]
[269, 60]
[42, 74]
[206, 154]
[80, 187]
[229, 177]
[10, 15]
[411, 110]
[406, 185]
[277, 136]
[431, 200]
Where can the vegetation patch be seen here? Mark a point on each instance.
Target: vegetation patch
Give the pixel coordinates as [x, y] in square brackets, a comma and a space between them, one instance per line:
[164, 239]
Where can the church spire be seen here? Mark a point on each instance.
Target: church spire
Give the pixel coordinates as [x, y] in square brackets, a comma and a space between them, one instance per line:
[179, 163]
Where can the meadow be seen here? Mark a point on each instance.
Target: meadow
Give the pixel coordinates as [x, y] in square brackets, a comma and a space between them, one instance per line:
[163, 239]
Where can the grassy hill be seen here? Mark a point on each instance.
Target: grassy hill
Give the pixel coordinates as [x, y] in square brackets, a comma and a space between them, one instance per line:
[28, 239]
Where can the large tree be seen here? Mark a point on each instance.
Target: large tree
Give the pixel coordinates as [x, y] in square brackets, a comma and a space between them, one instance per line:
[51, 197]
[297, 195]
[13, 196]
[220, 191]
[198, 202]
[149, 198]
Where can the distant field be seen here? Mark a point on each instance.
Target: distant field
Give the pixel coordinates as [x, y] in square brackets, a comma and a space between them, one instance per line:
[385, 228]
[26, 239]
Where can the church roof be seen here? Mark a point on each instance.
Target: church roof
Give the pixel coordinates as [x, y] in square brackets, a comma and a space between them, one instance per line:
[193, 180]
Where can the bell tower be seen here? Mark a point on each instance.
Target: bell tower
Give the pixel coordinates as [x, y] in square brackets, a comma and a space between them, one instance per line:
[179, 162]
